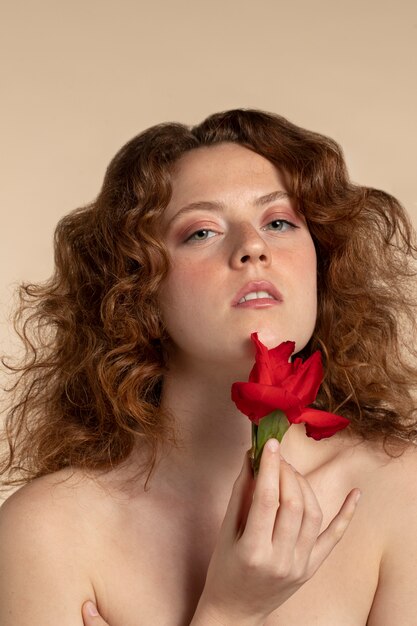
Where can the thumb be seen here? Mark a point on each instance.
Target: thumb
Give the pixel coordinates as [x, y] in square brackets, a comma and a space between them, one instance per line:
[91, 616]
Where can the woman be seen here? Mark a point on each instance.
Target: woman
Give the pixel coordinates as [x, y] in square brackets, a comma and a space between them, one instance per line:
[124, 430]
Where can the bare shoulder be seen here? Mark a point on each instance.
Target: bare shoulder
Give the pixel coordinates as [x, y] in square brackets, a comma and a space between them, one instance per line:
[54, 504]
[394, 473]
[386, 478]
[48, 530]
[392, 490]
[66, 509]
[398, 486]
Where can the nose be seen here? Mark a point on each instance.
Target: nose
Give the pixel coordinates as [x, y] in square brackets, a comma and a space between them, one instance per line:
[249, 248]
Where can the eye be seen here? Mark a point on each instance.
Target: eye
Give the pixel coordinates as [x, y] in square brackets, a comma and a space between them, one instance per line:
[201, 235]
[280, 226]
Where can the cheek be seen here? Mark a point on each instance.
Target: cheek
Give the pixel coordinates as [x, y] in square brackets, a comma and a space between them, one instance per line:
[304, 281]
[299, 267]
[308, 274]
[182, 291]
[311, 283]
[192, 275]
[307, 262]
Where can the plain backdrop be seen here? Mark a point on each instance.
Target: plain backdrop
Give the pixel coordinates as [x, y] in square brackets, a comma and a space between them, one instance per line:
[80, 78]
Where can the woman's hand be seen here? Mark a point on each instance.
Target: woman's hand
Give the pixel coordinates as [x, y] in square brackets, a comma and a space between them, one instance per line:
[269, 543]
[91, 616]
[268, 546]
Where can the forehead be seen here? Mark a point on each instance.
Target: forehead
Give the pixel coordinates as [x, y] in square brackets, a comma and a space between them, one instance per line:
[222, 169]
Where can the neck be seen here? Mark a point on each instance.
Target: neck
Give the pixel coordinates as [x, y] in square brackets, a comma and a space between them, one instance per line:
[213, 434]
[214, 437]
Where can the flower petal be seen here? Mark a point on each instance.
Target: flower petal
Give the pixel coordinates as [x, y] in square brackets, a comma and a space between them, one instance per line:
[261, 371]
[321, 424]
[256, 400]
[282, 353]
[306, 380]
[271, 366]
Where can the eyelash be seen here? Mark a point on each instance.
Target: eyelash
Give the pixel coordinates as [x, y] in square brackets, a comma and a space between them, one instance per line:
[206, 230]
[290, 225]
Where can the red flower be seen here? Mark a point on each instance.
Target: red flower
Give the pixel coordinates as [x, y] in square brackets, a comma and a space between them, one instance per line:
[274, 383]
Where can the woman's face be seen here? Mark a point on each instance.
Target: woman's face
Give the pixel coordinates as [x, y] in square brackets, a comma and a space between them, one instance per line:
[232, 231]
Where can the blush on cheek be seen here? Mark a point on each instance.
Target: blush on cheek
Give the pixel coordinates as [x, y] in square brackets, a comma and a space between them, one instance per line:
[189, 276]
[182, 291]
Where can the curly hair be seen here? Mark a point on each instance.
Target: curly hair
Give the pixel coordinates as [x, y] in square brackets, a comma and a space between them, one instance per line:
[90, 382]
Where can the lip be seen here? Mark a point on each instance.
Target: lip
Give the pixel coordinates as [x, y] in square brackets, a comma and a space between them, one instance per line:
[259, 285]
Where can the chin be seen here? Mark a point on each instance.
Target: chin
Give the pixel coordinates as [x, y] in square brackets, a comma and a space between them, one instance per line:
[272, 339]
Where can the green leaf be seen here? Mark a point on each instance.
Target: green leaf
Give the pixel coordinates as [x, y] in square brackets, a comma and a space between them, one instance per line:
[275, 425]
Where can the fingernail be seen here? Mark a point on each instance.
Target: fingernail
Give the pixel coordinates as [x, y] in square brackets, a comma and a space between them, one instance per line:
[358, 495]
[92, 609]
[272, 444]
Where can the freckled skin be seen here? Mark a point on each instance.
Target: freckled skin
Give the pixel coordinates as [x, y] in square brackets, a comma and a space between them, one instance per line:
[233, 247]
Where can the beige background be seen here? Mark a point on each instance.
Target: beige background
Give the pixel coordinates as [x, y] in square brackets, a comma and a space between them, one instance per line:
[80, 78]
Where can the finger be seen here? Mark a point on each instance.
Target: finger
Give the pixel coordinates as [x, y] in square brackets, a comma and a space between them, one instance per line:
[263, 511]
[290, 514]
[91, 616]
[312, 519]
[236, 512]
[335, 530]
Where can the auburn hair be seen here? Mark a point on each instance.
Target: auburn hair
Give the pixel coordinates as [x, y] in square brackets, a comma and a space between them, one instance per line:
[90, 382]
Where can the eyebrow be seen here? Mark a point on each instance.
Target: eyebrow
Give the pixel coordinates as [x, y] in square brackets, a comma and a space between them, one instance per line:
[220, 206]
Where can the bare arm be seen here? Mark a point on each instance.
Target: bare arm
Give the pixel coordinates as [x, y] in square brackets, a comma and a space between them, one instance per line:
[43, 580]
[395, 599]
